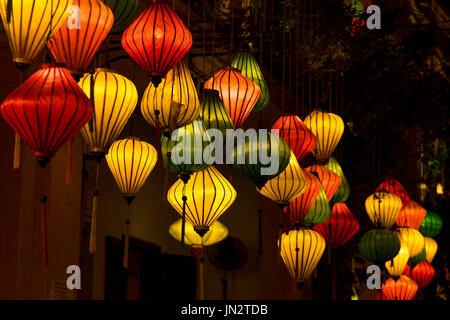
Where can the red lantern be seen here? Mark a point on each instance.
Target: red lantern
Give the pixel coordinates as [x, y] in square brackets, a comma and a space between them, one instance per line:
[157, 40]
[404, 288]
[411, 215]
[341, 226]
[47, 110]
[393, 186]
[299, 137]
[330, 181]
[423, 273]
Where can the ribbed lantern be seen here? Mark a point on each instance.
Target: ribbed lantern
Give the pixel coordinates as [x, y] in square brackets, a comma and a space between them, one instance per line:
[396, 266]
[340, 227]
[379, 245]
[157, 40]
[320, 210]
[431, 247]
[301, 251]
[213, 112]
[329, 180]
[411, 215]
[414, 240]
[383, 208]
[28, 25]
[47, 110]
[78, 40]
[343, 192]
[238, 93]
[114, 100]
[217, 232]
[395, 187]
[431, 225]
[174, 103]
[418, 258]
[297, 135]
[246, 63]
[403, 288]
[423, 274]
[123, 10]
[328, 129]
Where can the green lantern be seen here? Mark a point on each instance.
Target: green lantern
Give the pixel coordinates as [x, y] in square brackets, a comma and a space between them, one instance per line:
[358, 8]
[320, 210]
[343, 192]
[213, 112]
[420, 257]
[123, 10]
[431, 225]
[246, 63]
[379, 245]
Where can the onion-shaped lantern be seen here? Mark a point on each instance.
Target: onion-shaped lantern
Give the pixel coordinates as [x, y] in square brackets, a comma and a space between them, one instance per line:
[328, 129]
[403, 288]
[213, 112]
[393, 186]
[431, 247]
[431, 225]
[383, 208]
[396, 266]
[379, 245]
[296, 133]
[29, 24]
[47, 110]
[217, 232]
[78, 40]
[238, 93]
[246, 63]
[418, 258]
[329, 180]
[340, 227]
[301, 251]
[343, 192]
[423, 273]
[414, 240]
[157, 40]
[411, 215]
[123, 12]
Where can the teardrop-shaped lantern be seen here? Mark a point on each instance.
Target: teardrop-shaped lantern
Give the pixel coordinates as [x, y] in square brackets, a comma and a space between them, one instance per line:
[296, 133]
[431, 225]
[131, 161]
[395, 187]
[287, 185]
[411, 215]
[329, 180]
[213, 112]
[78, 40]
[238, 93]
[174, 103]
[403, 288]
[418, 258]
[343, 192]
[123, 10]
[328, 129]
[320, 210]
[383, 208]
[340, 227]
[431, 247]
[423, 274]
[157, 40]
[396, 266]
[208, 195]
[115, 98]
[28, 25]
[301, 251]
[246, 63]
[47, 110]
[217, 232]
[379, 245]
[414, 240]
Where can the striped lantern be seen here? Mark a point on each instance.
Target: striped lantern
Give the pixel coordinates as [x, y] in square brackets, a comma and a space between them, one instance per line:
[403, 288]
[414, 240]
[431, 225]
[213, 112]
[423, 273]
[123, 11]
[383, 208]
[343, 192]
[411, 215]
[329, 180]
[395, 187]
[379, 245]
[431, 248]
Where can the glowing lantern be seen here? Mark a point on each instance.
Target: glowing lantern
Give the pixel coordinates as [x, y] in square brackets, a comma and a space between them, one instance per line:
[430, 248]
[329, 180]
[217, 232]
[393, 186]
[47, 110]
[301, 251]
[213, 112]
[403, 288]
[287, 185]
[379, 245]
[157, 40]
[422, 274]
[418, 258]
[343, 192]
[320, 210]
[296, 134]
[246, 63]
[407, 271]
[203, 199]
[115, 98]
[414, 240]
[396, 266]
[123, 12]
[383, 208]
[340, 227]
[431, 225]
[238, 93]
[328, 129]
[411, 215]
[28, 25]
[78, 40]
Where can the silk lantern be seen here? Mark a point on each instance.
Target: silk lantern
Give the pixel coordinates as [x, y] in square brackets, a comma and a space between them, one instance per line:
[343, 191]
[379, 245]
[217, 232]
[403, 288]
[329, 180]
[413, 238]
[423, 273]
[238, 93]
[396, 266]
[213, 112]
[383, 208]
[431, 247]
[123, 11]
[395, 187]
[418, 258]
[29, 24]
[411, 215]
[78, 40]
[157, 40]
[431, 225]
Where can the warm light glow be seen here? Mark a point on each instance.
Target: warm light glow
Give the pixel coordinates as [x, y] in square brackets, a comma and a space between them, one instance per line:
[217, 232]
[431, 225]
[439, 188]
[379, 245]
[431, 247]
[383, 208]
[330, 181]
[343, 192]
[213, 112]
[396, 266]
[395, 187]
[414, 240]
[411, 215]
[404, 288]
[423, 273]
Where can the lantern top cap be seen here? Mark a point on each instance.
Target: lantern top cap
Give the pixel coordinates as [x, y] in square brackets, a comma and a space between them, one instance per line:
[132, 138]
[231, 68]
[52, 65]
[104, 70]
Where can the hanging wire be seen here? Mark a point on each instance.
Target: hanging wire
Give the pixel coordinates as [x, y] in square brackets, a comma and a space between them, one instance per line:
[297, 58]
[204, 37]
[303, 56]
[283, 89]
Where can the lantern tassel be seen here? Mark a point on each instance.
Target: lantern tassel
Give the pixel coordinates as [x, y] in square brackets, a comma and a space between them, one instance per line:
[166, 177]
[201, 276]
[158, 140]
[183, 221]
[44, 229]
[69, 163]
[127, 243]
[93, 237]
[17, 152]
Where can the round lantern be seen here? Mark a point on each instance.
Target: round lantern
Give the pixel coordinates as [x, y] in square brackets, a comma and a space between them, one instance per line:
[383, 208]
[403, 288]
[238, 93]
[418, 258]
[340, 227]
[393, 186]
[431, 247]
[47, 110]
[414, 240]
[246, 63]
[329, 180]
[328, 129]
[423, 273]
[115, 98]
[379, 245]
[411, 215]
[343, 192]
[28, 25]
[213, 112]
[296, 133]
[123, 11]
[157, 40]
[396, 266]
[217, 232]
[431, 225]
[301, 251]
[78, 40]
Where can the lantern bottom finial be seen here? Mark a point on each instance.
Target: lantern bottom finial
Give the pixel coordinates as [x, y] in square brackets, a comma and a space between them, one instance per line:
[156, 80]
[129, 199]
[201, 231]
[300, 285]
[43, 161]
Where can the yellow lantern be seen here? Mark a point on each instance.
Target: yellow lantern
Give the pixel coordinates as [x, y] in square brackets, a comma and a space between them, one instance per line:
[217, 232]
[413, 239]
[328, 129]
[396, 266]
[431, 247]
[383, 208]
[174, 103]
[301, 251]
[114, 100]
[29, 24]
[287, 185]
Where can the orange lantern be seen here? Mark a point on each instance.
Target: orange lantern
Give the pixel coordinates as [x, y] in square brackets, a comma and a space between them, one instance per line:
[411, 215]
[404, 288]
[423, 273]
[330, 181]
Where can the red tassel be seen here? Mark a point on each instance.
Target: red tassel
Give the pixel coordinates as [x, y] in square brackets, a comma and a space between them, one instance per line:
[44, 229]
[69, 163]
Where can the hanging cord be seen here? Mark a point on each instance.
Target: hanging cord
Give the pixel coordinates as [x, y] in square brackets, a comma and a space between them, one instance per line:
[260, 226]
[43, 207]
[92, 98]
[297, 58]
[283, 88]
[158, 140]
[225, 285]
[297, 284]
[17, 141]
[166, 177]
[127, 239]
[183, 215]
[231, 32]
[93, 236]
[204, 38]
[69, 162]
[201, 271]
[303, 57]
